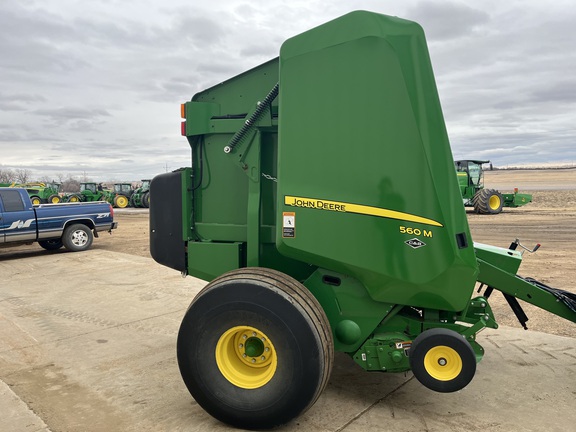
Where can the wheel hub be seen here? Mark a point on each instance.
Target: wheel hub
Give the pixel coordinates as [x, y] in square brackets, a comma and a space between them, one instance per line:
[443, 363]
[246, 357]
[79, 238]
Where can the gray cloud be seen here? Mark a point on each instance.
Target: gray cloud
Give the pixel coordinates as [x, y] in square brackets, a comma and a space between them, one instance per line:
[95, 87]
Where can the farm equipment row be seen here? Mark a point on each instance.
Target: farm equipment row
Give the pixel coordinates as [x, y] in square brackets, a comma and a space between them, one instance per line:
[122, 195]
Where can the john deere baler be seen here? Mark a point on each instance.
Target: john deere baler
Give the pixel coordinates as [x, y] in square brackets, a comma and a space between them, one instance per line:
[323, 206]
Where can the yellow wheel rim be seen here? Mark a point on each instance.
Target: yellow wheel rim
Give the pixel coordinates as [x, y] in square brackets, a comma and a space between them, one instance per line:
[443, 363]
[121, 201]
[74, 199]
[494, 202]
[246, 357]
[55, 200]
[35, 201]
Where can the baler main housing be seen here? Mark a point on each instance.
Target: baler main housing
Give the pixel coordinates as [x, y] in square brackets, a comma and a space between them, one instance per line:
[325, 178]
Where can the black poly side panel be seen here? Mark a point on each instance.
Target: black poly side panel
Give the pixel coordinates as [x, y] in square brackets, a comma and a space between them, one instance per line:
[167, 246]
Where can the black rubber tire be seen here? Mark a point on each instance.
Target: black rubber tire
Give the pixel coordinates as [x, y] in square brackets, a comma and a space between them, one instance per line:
[145, 200]
[36, 200]
[77, 238]
[442, 338]
[54, 199]
[294, 322]
[51, 244]
[488, 201]
[74, 198]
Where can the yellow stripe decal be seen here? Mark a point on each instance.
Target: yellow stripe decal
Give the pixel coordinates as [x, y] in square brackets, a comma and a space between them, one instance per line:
[343, 207]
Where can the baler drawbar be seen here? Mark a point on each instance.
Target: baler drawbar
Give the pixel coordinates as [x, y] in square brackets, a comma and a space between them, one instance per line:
[323, 207]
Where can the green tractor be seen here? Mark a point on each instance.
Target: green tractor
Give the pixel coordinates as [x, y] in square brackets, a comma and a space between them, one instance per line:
[41, 193]
[485, 201]
[141, 196]
[90, 192]
[120, 197]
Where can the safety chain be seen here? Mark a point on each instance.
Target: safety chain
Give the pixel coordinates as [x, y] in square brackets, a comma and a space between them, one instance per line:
[269, 177]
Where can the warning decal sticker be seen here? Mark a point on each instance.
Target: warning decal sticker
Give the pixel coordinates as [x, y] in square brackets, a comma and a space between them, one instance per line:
[288, 225]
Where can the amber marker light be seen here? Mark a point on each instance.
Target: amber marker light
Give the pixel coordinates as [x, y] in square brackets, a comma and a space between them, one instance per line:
[183, 111]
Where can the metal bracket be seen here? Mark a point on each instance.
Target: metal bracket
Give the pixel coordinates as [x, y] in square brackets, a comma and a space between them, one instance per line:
[514, 245]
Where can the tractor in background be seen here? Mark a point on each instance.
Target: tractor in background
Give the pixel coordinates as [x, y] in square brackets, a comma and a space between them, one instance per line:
[141, 195]
[90, 192]
[485, 201]
[121, 195]
[40, 193]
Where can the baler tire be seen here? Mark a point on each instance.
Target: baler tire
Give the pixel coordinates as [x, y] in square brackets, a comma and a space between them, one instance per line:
[77, 238]
[436, 346]
[51, 244]
[488, 201]
[288, 372]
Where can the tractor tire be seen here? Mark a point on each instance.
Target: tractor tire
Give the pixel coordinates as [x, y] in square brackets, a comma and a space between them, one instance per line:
[51, 244]
[488, 201]
[121, 201]
[442, 360]
[77, 238]
[54, 199]
[74, 198]
[255, 348]
[36, 200]
[146, 200]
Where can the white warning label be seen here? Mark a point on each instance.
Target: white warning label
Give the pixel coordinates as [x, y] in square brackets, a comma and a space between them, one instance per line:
[288, 225]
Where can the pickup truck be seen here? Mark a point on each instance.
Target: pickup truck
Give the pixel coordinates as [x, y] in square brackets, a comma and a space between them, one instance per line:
[72, 225]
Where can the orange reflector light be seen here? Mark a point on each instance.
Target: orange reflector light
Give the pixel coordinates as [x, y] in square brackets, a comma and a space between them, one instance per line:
[183, 128]
[183, 111]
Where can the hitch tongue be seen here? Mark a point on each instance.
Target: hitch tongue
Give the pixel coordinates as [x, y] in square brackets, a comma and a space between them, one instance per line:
[517, 243]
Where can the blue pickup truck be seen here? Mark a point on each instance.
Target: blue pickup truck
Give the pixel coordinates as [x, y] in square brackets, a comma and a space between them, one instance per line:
[72, 225]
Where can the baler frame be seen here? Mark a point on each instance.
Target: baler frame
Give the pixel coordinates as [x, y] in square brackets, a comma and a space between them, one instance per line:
[299, 267]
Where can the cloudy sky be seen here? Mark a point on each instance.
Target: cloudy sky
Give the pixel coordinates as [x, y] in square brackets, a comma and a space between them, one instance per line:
[93, 88]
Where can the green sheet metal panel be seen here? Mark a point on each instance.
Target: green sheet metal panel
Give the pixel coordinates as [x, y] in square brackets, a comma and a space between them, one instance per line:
[365, 171]
[221, 187]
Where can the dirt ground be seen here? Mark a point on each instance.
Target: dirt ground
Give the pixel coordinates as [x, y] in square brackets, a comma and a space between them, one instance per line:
[550, 220]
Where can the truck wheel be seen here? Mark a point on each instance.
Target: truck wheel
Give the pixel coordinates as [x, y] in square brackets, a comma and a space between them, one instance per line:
[51, 244]
[77, 237]
[488, 201]
[54, 199]
[255, 348]
[120, 201]
[146, 200]
[442, 360]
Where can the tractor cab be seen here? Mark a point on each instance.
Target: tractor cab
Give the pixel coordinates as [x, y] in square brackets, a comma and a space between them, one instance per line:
[123, 188]
[470, 176]
[89, 187]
